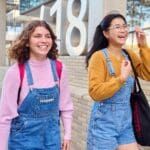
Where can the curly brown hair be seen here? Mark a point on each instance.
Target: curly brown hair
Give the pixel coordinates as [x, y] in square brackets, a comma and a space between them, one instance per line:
[20, 52]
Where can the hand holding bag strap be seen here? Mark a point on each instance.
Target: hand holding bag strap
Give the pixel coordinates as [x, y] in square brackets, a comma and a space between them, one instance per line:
[137, 82]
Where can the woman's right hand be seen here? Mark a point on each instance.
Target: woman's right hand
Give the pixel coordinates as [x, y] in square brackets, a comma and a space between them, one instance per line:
[140, 36]
[66, 145]
[125, 70]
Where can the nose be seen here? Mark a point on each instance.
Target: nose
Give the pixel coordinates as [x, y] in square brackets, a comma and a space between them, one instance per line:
[43, 39]
[124, 28]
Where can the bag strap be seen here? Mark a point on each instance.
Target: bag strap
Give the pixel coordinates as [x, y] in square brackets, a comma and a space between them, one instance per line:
[137, 82]
[21, 74]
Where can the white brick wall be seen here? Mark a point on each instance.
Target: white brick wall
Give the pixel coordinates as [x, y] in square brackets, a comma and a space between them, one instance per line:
[76, 70]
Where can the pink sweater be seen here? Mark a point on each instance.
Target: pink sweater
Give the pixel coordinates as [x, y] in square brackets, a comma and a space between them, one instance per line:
[42, 78]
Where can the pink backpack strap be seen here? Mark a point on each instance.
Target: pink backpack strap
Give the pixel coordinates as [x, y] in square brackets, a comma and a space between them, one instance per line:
[21, 74]
[59, 68]
[21, 70]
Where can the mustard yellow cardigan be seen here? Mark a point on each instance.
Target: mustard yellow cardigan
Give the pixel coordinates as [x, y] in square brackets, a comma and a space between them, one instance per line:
[102, 85]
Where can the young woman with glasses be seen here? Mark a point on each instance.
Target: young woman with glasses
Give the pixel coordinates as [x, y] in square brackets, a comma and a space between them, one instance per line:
[111, 84]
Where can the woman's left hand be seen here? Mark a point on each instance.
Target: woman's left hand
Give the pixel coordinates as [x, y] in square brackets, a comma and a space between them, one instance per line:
[66, 145]
[140, 36]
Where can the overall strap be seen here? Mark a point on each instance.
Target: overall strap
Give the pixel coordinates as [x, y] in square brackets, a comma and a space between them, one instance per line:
[108, 61]
[54, 71]
[56, 65]
[29, 75]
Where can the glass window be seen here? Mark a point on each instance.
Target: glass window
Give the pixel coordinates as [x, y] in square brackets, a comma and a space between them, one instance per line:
[138, 14]
[26, 5]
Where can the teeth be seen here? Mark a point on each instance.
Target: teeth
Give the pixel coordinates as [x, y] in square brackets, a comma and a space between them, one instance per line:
[43, 46]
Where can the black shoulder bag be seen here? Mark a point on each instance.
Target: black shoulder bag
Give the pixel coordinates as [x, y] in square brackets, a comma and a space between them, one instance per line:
[140, 111]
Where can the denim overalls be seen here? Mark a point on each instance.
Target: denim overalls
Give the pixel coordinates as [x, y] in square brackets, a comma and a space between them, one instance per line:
[111, 120]
[37, 127]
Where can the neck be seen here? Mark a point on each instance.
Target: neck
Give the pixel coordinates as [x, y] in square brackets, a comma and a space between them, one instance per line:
[37, 58]
[116, 51]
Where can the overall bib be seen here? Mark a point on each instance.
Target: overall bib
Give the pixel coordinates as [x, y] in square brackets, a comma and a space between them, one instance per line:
[111, 120]
[37, 127]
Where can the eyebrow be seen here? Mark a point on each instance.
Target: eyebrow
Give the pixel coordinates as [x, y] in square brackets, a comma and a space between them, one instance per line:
[118, 24]
[41, 34]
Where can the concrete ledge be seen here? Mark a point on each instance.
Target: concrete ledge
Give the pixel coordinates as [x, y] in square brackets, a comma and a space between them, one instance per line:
[82, 106]
[2, 72]
[79, 92]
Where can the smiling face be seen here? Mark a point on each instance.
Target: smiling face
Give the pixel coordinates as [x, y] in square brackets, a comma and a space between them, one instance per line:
[40, 43]
[117, 32]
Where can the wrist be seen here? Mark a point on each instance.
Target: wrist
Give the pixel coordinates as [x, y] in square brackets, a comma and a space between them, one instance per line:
[122, 79]
[144, 45]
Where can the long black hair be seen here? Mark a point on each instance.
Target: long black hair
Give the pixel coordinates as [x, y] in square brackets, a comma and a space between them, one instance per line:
[99, 40]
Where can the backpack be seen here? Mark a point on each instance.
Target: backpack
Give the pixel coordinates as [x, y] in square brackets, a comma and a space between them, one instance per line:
[22, 69]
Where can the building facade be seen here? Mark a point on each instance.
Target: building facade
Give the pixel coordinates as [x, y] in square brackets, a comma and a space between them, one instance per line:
[3, 32]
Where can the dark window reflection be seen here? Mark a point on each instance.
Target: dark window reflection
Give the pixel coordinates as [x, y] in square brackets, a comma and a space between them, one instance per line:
[26, 5]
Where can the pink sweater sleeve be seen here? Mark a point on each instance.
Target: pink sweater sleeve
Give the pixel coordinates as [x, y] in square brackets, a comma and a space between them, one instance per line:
[8, 105]
[66, 105]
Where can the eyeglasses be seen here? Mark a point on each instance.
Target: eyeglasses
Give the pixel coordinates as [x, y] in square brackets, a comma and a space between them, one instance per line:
[119, 27]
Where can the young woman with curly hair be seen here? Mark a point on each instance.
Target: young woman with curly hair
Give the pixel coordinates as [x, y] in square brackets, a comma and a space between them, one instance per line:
[31, 120]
